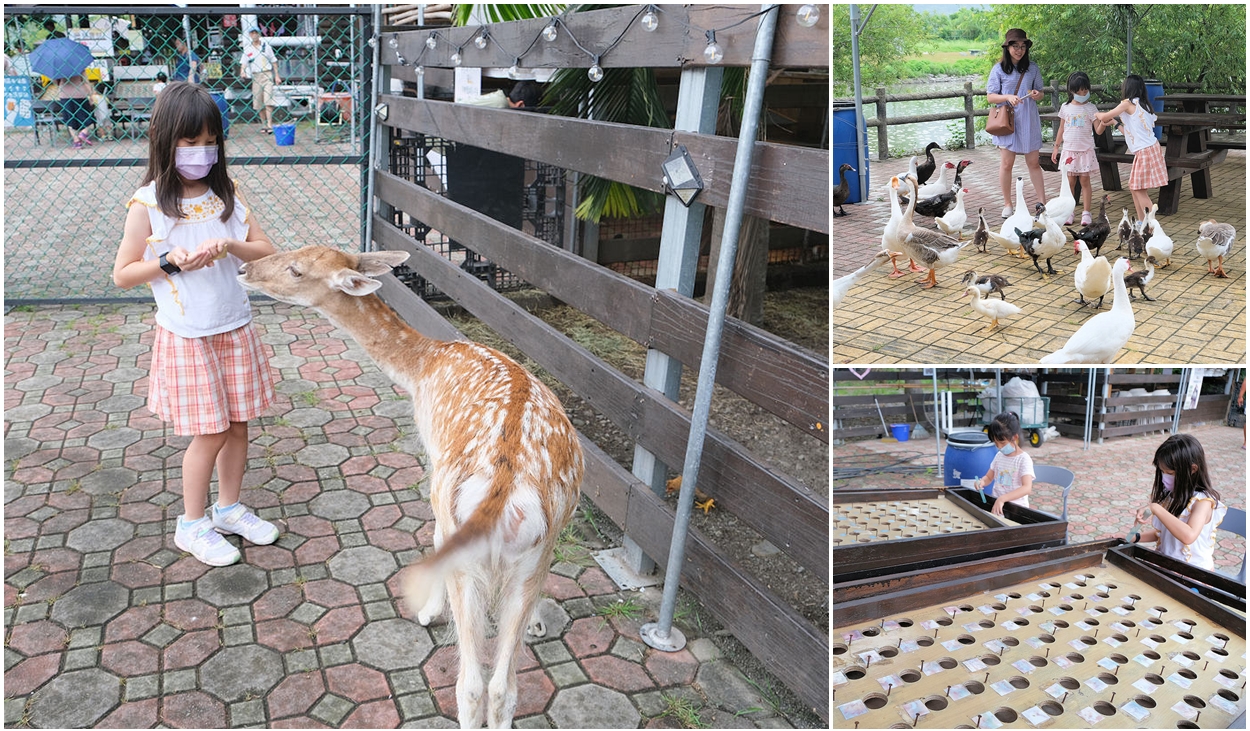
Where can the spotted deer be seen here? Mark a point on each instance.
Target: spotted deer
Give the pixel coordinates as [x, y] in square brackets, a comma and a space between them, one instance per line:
[504, 464]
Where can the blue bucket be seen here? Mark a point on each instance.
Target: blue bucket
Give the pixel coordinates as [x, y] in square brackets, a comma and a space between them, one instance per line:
[968, 456]
[900, 431]
[284, 134]
[1154, 90]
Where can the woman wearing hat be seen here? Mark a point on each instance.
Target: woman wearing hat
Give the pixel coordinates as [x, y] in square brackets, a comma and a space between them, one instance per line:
[1015, 80]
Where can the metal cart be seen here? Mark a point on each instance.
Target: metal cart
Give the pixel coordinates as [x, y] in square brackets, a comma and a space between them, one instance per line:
[1028, 408]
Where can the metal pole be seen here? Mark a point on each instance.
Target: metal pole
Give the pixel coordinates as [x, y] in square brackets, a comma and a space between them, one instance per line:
[1091, 384]
[1129, 50]
[1180, 400]
[998, 380]
[662, 635]
[937, 422]
[375, 128]
[860, 150]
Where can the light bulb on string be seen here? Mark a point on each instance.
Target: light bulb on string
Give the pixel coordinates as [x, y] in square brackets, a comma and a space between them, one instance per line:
[808, 15]
[431, 42]
[514, 70]
[713, 53]
[549, 33]
[650, 21]
[420, 71]
[393, 41]
[595, 72]
[456, 58]
[480, 41]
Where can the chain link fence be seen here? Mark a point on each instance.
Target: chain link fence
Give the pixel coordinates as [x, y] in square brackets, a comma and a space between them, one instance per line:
[65, 204]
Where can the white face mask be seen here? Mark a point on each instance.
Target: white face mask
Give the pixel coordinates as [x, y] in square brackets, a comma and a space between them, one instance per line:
[1007, 448]
[1082, 98]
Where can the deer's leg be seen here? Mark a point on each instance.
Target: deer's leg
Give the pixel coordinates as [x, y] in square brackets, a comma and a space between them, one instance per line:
[516, 606]
[468, 607]
[433, 606]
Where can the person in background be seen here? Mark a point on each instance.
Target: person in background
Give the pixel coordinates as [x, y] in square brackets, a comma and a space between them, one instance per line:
[525, 94]
[161, 82]
[103, 112]
[53, 31]
[76, 109]
[1241, 401]
[1076, 136]
[1016, 73]
[1184, 508]
[259, 64]
[1136, 120]
[188, 66]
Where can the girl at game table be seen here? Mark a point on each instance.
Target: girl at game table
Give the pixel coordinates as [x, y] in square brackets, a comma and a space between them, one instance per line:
[186, 233]
[1011, 472]
[1184, 508]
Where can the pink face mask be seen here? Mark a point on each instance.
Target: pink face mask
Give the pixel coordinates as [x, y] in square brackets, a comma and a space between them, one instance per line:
[194, 163]
[1169, 481]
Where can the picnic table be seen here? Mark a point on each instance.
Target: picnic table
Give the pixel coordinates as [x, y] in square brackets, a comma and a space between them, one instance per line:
[1201, 103]
[1185, 152]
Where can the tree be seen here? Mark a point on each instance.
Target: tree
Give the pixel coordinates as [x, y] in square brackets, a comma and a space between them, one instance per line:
[889, 37]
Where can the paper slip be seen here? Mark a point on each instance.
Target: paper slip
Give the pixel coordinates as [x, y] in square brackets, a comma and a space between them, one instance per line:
[958, 692]
[1023, 666]
[1096, 684]
[1143, 661]
[951, 610]
[972, 627]
[1226, 682]
[1093, 612]
[1062, 661]
[908, 646]
[1034, 597]
[1022, 611]
[839, 678]
[930, 624]
[870, 657]
[988, 720]
[1120, 611]
[852, 636]
[1180, 680]
[1072, 585]
[1120, 626]
[1224, 704]
[994, 645]
[1103, 588]
[1090, 715]
[853, 709]
[974, 665]
[1217, 641]
[1145, 686]
[1002, 687]
[1108, 663]
[1185, 710]
[890, 681]
[1048, 627]
[890, 625]
[1128, 599]
[1214, 656]
[986, 609]
[1149, 642]
[1056, 691]
[1112, 641]
[1084, 625]
[1181, 626]
[1134, 711]
[1036, 716]
[1034, 642]
[952, 645]
[1178, 638]
[931, 668]
[1001, 597]
[1057, 611]
[1182, 660]
[1010, 625]
[914, 709]
[1077, 645]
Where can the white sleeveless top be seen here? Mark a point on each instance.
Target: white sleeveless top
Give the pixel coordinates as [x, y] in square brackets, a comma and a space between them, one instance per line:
[206, 301]
[1201, 552]
[1138, 128]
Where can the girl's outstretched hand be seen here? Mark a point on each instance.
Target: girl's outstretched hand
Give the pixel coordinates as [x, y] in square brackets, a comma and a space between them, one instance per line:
[1145, 515]
[998, 507]
[189, 261]
[213, 249]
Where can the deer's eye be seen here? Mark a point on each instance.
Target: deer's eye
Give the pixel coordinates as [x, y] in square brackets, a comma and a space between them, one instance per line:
[295, 273]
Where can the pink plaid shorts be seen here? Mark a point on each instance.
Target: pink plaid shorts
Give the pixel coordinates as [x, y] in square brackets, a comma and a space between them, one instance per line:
[200, 385]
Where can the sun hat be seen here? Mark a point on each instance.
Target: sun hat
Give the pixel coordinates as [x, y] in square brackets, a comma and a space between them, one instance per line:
[1015, 34]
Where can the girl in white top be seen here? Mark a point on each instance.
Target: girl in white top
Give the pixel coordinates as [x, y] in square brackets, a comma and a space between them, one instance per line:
[186, 233]
[1184, 508]
[1011, 472]
[1136, 121]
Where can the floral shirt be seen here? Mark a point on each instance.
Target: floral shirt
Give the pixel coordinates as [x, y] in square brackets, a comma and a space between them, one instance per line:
[1078, 126]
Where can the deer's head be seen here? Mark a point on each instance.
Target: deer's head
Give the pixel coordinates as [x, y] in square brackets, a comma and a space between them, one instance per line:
[312, 275]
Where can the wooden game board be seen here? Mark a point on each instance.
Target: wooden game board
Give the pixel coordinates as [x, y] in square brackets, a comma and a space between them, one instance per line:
[1072, 637]
[876, 531]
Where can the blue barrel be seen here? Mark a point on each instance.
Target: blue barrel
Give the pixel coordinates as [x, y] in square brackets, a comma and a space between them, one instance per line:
[224, 106]
[844, 150]
[968, 456]
[1154, 90]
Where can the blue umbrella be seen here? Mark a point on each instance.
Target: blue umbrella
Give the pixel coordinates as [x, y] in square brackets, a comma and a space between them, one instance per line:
[60, 58]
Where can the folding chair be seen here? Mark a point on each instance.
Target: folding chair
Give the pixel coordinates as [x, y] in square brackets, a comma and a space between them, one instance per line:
[1235, 523]
[1057, 476]
[47, 113]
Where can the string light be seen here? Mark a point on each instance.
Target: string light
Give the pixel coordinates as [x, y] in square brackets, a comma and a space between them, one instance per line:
[432, 42]
[515, 69]
[480, 41]
[713, 53]
[456, 58]
[650, 21]
[549, 33]
[595, 72]
[808, 15]
[393, 41]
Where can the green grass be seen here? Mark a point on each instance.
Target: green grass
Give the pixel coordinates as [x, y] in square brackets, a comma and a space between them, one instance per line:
[625, 608]
[682, 709]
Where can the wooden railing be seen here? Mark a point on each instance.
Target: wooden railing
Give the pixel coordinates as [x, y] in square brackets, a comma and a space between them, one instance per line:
[971, 111]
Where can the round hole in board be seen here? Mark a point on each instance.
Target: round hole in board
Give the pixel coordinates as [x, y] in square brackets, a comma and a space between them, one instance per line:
[990, 659]
[839, 648]
[1036, 609]
[1187, 724]
[1151, 623]
[935, 703]
[1061, 624]
[1112, 586]
[1081, 583]
[1010, 641]
[1228, 695]
[1160, 610]
[887, 651]
[924, 641]
[1221, 636]
[1134, 597]
[1117, 658]
[985, 624]
[944, 621]
[910, 676]
[1066, 607]
[1052, 708]
[1037, 661]
[1078, 597]
[875, 701]
[1156, 656]
[1195, 701]
[1013, 595]
[1069, 683]
[1108, 678]
[1054, 585]
[948, 663]
[1228, 674]
[1101, 610]
[905, 622]
[1128, 623]
[1153, 679]
[1000, 607]
[1089, 640]
[1220, 651]
[1189, 622]
[1104, 708]
[1018, 682]
[1006, 715]
[1102, 595]
[900, 724]
[962, 725]
[1191, 656]
[1075, 657]
[965, 608]
[871, 632]
[1185, 635]
[1021, 622]
[974, 687]
[866, 540]
[1144, 701]
[1187, 673]
[1047, 639]
[909, 535]
[854, 673]
[1119, 638]
[1092, 622]
[1086, 576]
[1158, 639]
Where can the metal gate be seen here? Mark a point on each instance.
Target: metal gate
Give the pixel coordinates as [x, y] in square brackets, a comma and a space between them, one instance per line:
[64, 205]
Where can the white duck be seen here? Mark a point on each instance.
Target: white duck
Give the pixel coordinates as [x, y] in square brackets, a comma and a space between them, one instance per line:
[891, 239]
[941, 185]
[995, 310]
[1062, 208]
[932, 249]
[1214, 242]
[1102, 336]
[1160, 244]
[1093, 276]
[1020, 219]
[1052, 243]
[952, 224]
[842, 285]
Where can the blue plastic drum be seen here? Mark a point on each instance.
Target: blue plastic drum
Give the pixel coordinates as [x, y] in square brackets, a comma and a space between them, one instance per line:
[968, 456]
[224, 106]
[1154, 90]
[846, 151]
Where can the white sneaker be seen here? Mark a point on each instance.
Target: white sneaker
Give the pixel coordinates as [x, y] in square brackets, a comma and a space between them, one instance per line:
[200, 540]
[1007, 211]
[240, 521]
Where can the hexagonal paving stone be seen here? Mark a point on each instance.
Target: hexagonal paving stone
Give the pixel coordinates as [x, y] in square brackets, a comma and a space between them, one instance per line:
[322, 455]
[295, 695]
[339, 505]
[129, 658]
[100, 535]
[356, 682]
[236, 672]
[91, 604]
[193, 710]
[393, 644]
[76, 699]
[119, 438]
[36, 638]
[592, 706]
[105, 481]
[363, 565]
[237, 584]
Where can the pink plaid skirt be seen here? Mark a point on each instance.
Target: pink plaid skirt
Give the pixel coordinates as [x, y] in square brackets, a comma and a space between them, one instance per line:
[1149, 169]
[200, 385]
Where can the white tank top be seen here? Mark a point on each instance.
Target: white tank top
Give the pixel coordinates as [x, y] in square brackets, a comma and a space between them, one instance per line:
[1201, 552]
[1139, 130]
[206, 301]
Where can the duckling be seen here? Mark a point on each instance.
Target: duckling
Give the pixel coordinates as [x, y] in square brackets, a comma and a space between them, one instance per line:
[1137, 239]
[1160, 244]
[981, 238]
[1102, 336]
[843, 191]
[842, 285]
[1214, 242]
[987, 283]
[1093, 276]
[952, 224]
[1096, 233]
[1125, 229]
[1141, 279]
[989, 308]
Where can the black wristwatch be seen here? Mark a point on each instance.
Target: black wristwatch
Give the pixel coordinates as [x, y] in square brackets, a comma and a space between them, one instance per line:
[168, 266]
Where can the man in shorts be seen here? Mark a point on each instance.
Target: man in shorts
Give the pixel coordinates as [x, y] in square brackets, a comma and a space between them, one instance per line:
[260, 65]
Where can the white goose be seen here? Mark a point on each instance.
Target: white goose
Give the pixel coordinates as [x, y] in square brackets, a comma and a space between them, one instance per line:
[1214, 242]
[941, 185]
[952, 224]
[1020, 219]
[1061, 209]
[842, 285]
[891, 239]
[1160, 244]
[1093, 276]
[1102, 336]
[995, 310]
[930, 248]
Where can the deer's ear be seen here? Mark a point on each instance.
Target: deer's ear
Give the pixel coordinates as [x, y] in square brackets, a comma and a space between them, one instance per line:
[354, 283]
[374, 263]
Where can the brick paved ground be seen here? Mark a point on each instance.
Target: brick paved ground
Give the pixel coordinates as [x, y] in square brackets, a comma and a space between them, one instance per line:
[1112, 479]
[108, 624]
[1198, 318]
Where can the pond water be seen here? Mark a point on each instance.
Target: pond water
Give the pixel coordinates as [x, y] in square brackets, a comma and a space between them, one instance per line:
[907, 139]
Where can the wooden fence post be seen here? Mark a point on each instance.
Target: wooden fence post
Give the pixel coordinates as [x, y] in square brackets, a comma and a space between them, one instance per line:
[1054, 101]
[883, 136]
[970, 125]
